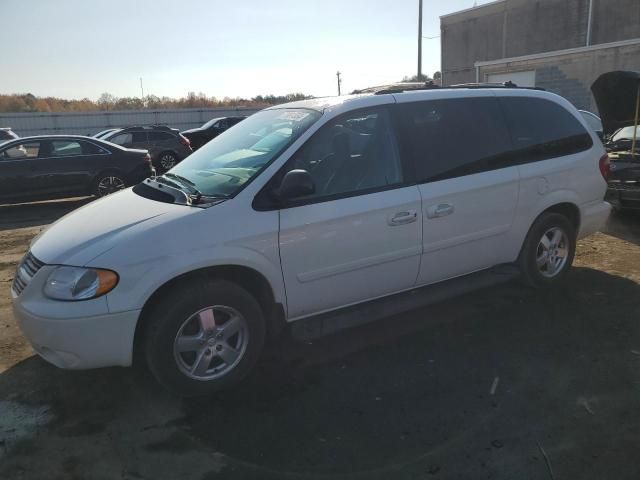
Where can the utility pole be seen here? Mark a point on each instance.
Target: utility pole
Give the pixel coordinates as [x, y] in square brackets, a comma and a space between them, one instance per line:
[420, 41]
[339, 83]
[142, 89]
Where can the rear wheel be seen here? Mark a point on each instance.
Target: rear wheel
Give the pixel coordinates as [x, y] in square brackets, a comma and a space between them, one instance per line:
[108, 183]
[204, 338]
[548, 250]
[167, 160]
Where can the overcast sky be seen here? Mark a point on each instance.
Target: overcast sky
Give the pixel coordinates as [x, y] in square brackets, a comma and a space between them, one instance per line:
[240, 48]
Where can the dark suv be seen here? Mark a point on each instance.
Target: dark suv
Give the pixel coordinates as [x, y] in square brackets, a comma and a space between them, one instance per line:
[7, 134]
[167, 146]
[210, 130]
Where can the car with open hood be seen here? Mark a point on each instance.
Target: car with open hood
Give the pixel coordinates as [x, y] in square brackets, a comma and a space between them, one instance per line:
[617, 95]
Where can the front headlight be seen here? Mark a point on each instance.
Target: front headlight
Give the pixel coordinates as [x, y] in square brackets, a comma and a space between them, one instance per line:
[77, 283]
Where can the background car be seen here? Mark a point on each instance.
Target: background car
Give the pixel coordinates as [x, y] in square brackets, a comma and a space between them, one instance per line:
[7, 134]
[104, 133]
[167, 146]
[594, 122]
[210, 130]
[58, 166]
[622, 139]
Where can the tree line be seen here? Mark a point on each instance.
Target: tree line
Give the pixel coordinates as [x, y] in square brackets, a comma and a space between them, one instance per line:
[16, 103]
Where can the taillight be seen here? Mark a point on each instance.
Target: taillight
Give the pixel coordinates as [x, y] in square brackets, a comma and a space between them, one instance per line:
[604, 166]
[147, 158]
[185, 141]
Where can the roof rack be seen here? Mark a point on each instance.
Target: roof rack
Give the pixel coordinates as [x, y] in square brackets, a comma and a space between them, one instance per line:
[430, 85]
[148, 127]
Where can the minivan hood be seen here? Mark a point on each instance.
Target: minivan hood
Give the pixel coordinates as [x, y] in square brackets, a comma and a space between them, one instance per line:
[91, 230]
[615, 94]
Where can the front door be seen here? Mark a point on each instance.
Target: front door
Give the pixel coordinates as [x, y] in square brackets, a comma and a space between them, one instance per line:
[358, 236]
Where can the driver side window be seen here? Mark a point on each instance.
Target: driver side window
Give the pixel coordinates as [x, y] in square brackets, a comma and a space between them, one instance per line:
[352, 153]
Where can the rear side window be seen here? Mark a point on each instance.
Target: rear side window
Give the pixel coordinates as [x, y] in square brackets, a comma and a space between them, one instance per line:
[139, 137]
[65, 148]
[541, 129]
[159, 136]
[453, 137]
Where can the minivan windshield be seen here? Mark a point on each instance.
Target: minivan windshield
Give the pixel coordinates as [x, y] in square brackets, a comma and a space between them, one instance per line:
[225, 164]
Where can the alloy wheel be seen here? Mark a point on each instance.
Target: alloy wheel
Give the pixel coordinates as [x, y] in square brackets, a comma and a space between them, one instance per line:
[167, 161]
[211, 342]
[552, 252]
[110, 184]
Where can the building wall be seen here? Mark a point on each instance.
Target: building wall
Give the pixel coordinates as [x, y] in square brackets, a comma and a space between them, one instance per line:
[513, 28]
[571, 75]
[89, 123]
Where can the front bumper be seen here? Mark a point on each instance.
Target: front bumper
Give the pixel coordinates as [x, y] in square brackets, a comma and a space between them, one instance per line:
[81, 343]
[74, 335]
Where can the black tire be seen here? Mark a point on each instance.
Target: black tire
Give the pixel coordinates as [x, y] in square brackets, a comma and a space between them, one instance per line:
[115, 181]
[167, 160]
[167, 317]
[532, 274]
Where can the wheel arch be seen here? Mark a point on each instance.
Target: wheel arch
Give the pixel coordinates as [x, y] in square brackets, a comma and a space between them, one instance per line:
[246, 277]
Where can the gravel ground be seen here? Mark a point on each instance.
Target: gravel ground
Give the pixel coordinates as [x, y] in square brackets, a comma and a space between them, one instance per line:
[504, 383]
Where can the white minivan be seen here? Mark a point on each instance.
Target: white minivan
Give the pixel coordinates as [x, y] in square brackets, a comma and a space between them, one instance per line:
[314, 215]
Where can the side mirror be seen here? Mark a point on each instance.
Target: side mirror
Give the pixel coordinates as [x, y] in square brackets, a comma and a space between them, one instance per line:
[296, 183]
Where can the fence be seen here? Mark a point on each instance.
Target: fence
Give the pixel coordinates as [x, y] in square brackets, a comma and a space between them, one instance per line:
[88, 123]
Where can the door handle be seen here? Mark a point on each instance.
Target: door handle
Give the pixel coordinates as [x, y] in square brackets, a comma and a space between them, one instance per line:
[403, 218]
[440, 210]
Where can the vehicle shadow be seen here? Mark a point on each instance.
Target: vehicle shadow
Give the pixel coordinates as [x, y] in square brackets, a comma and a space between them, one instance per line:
[624, 225]
[21, 215]
[474, 387]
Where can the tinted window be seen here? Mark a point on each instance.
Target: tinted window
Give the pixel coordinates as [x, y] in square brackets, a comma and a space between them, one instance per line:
[23, 150]
[91, 149]
[159, 136]
[65, 148]
[355, 152]
[222, 124]
[121, 139]
[541, 129]
[453, 137]
[139, 137]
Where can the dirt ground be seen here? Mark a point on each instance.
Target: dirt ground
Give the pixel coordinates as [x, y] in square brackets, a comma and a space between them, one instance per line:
[504, 383]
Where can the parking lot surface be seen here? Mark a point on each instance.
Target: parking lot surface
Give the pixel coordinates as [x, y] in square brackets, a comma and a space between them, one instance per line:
[504, 383]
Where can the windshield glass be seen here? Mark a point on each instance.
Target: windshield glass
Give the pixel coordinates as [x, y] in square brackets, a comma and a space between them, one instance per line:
[625, 133]
[225, 164]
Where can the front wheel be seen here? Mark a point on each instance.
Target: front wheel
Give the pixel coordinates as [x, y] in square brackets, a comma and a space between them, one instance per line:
[548, 250]
[204, 337]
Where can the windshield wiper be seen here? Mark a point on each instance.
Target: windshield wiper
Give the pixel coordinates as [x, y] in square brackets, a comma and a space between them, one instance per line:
[180, 178]
[185, 182]
[196, 194]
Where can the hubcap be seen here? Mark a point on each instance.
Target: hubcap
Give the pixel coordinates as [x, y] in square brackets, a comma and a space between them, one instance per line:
[211, 342]
[109, 185]
[552, 252]
[167, 161]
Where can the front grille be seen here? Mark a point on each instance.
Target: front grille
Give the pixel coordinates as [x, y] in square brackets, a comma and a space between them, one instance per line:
[28, 267]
